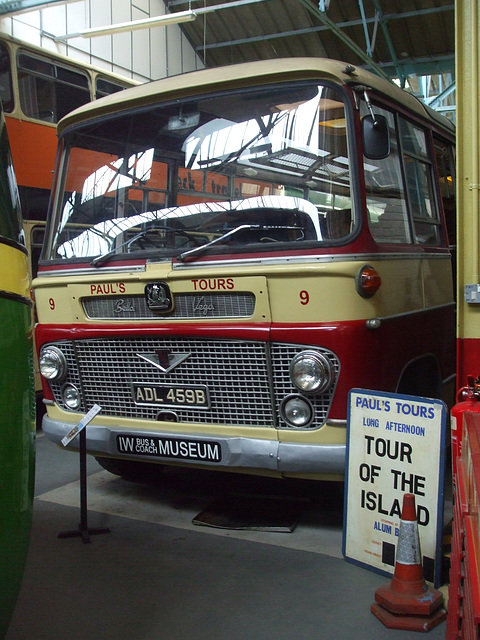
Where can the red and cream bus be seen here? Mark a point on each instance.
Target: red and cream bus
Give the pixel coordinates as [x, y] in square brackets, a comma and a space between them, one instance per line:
[229, 252]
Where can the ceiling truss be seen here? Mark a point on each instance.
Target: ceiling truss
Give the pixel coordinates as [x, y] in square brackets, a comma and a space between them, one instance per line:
[392, 38]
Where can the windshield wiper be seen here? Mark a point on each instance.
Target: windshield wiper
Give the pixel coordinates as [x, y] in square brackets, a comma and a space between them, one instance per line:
[196, 251]
[105, 257]
[100, 260]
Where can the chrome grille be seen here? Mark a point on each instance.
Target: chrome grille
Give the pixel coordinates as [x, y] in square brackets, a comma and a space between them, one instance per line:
[187, 305]
[246, 380]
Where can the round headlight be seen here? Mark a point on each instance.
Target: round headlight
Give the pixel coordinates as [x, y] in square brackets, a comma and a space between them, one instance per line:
[52, 364]
[296, 411]
[71, 397]
[311, 372]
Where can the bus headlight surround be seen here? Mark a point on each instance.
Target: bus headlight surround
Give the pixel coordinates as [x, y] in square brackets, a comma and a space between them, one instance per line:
[296, 411]
[311, 372]
[71, 397]
[52, 364]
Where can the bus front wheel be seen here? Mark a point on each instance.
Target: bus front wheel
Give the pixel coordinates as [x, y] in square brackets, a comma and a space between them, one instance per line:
[130, 469]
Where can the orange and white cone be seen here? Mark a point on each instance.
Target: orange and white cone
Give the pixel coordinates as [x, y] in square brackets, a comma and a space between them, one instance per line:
[407, 602]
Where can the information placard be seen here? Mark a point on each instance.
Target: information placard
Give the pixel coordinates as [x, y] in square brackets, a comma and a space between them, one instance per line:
[395, 445]
[87, 418]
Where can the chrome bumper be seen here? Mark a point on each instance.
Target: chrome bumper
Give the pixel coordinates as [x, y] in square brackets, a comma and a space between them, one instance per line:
[235, 452]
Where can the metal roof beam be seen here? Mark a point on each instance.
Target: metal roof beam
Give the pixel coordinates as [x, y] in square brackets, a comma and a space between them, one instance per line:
[394, 69]
[388, 39]
[349, 23]
[335, 29]
[365, 28]
[436, 102]
[297, 32]
[422, 66]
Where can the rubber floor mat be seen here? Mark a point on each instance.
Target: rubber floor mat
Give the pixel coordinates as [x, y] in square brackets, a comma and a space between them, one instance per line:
[254, 513]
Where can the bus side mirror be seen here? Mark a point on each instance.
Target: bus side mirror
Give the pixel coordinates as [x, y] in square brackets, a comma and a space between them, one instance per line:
[376, 137]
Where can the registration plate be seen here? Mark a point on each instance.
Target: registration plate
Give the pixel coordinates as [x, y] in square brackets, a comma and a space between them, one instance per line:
[171, 395]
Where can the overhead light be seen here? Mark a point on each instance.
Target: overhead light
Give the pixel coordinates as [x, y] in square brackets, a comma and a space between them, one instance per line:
[121, 27]
[157, 21]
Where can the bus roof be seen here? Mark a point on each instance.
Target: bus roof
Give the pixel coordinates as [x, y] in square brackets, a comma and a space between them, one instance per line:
[241, 75]
[67, 60]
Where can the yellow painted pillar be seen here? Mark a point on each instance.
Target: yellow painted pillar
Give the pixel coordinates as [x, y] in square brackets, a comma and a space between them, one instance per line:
[467, 17]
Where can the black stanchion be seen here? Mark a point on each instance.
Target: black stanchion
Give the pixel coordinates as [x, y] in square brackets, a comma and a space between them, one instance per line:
[83, 531]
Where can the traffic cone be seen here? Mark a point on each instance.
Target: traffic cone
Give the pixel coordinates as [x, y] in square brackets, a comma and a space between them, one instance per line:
[407, 602]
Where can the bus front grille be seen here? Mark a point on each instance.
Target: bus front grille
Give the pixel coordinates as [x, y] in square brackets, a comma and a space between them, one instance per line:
[245, 381]
[187, 305]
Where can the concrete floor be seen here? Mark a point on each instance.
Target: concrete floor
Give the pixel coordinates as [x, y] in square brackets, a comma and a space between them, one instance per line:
[158, 576]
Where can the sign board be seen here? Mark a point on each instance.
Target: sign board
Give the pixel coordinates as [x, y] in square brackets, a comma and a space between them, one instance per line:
[395, 445]
[87, 418]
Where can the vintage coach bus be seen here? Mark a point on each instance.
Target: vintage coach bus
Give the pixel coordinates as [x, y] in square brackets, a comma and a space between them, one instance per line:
[17, 408]
[229, 252]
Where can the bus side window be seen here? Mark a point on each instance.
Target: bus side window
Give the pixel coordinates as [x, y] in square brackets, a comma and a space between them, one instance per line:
[387, 209]
[392, 224]
[446, 177]
[338, 223]
[49, 91]
[104, 87]
[6, 88]
[419, 181]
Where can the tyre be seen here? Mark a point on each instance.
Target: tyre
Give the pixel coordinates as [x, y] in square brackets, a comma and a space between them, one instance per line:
[130, 469]
[421, 378]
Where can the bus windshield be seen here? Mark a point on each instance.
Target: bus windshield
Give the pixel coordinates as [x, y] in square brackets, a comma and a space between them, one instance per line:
[261, 170]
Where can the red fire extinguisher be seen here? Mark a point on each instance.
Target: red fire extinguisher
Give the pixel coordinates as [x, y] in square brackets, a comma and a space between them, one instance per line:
[468, 399]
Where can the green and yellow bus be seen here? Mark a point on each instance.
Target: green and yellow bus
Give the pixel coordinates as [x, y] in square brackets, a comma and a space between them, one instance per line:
[17, 397]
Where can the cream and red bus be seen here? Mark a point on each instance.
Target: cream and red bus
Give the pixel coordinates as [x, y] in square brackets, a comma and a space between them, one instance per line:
[230, 251]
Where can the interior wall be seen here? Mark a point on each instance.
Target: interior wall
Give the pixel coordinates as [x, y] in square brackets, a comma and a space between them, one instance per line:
[146, 54]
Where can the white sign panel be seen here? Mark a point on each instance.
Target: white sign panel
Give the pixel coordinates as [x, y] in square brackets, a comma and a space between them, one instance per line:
[87, 418]
[395, 445]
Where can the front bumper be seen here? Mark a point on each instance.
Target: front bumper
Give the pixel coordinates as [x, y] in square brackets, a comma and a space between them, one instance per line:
[214, 452]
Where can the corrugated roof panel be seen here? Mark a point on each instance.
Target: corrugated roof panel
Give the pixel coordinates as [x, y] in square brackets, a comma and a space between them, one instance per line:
[405, 32]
